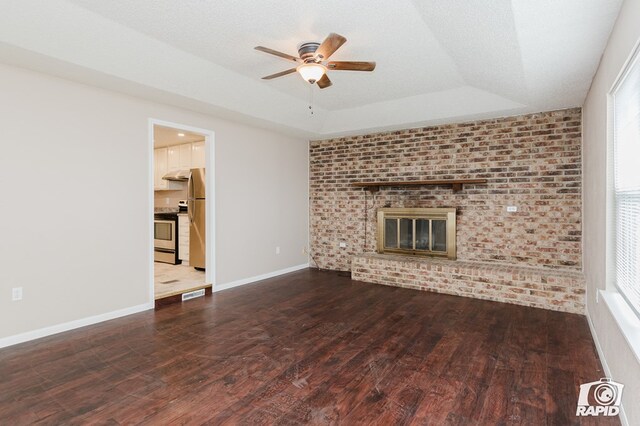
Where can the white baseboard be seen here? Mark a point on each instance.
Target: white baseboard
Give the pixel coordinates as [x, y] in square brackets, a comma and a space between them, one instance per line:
[59, 328]
[605, 366]
[226, 286]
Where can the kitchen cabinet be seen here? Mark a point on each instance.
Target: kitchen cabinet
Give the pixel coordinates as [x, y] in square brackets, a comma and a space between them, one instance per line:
[197, 155]
[173, 158]
[160, 168]
[160, 159]
[183, 237]
[185, 155]
[177, 157]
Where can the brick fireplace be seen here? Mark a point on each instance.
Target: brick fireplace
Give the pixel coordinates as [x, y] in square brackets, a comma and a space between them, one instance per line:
[531, 162]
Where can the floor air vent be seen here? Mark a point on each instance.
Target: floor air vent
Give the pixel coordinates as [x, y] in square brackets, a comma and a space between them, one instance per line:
[192, 294]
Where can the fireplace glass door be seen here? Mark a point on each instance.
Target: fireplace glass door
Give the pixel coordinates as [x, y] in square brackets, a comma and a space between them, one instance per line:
[427, 232]
[439, 235]
[391, 233]
[422, 234]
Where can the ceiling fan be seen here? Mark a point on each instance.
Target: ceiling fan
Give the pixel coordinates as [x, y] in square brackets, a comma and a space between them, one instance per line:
[313, 61]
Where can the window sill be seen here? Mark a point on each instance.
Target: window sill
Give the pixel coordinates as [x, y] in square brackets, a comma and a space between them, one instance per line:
[627, 320]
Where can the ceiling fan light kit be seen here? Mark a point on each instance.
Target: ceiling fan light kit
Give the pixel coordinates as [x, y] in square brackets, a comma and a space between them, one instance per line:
[311, 57]
[311, 72]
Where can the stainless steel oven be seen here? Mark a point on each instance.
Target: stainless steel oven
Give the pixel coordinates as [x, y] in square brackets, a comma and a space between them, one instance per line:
[165, 238]
[164, 234]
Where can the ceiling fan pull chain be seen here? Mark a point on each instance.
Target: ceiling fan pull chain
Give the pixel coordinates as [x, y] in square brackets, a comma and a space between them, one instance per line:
[311, 101]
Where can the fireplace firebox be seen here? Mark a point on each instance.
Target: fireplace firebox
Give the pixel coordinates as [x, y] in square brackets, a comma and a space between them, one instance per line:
[417, 231]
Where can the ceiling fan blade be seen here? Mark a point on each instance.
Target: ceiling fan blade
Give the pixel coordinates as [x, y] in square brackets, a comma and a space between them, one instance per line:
[279, 74]
[280, 54]
[330, 45]
[324, 82]
[351, 66]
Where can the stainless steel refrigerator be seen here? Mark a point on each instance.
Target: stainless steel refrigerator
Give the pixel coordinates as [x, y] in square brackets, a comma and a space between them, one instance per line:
[196, 199]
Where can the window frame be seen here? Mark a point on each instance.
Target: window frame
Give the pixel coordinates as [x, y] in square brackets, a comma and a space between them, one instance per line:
[632, 64]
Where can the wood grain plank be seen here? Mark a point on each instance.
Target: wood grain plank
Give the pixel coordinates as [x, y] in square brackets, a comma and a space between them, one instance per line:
[308, 347]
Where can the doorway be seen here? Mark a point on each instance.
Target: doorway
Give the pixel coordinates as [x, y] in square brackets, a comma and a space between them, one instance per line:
[182, 208]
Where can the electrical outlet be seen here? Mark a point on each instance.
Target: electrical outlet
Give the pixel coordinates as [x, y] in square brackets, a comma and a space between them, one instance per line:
[512, 209]
[16, 294]
[304, 250]
[278, 250]
[343, 244]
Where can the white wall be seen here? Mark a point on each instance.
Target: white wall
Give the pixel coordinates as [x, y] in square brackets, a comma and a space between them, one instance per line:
[618, 356]
[75, 190]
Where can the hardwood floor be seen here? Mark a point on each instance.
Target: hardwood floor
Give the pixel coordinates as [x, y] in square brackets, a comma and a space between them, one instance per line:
[308, 347]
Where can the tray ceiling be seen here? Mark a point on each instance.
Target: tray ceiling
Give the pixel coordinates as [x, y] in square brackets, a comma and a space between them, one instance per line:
[436, 61]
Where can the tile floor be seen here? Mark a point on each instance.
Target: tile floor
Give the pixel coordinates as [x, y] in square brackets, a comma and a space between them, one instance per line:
[175, 279]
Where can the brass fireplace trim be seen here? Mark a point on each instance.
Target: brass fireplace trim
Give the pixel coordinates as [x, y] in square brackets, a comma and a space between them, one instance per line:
[447, 214]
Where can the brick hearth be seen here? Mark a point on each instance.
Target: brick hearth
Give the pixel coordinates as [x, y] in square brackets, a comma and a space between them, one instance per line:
[558, 290]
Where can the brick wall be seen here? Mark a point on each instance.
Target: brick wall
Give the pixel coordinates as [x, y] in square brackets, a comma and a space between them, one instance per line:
[531, 161]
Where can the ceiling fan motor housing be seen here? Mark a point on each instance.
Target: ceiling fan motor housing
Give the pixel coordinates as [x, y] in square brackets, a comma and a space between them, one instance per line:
[307, 51]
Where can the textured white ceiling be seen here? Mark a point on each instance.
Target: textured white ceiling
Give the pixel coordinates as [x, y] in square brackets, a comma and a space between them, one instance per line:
[225, 32]
[437, 61]
[168, 136]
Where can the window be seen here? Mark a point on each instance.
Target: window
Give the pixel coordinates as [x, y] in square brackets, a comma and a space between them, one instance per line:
[626, 184]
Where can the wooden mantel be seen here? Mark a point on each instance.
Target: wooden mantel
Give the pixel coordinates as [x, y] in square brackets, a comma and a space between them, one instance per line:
[456, 184]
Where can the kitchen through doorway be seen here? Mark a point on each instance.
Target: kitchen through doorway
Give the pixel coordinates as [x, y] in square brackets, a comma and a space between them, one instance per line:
[180, 207]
